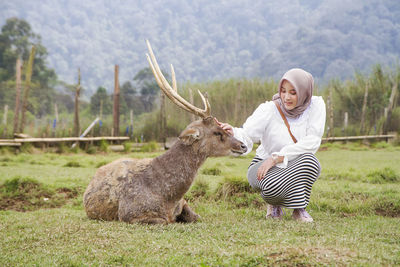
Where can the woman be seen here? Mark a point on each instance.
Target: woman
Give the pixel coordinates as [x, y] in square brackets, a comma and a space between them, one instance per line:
[285, 168]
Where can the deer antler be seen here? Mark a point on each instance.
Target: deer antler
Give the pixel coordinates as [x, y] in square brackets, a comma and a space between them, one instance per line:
[172, 92]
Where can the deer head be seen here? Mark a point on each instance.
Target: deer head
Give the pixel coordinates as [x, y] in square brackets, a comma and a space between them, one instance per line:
[204, 135]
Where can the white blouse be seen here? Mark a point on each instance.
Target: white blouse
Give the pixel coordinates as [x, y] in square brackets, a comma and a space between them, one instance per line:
[266, 126]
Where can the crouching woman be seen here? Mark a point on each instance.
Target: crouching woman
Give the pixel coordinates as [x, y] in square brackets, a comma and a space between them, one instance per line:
[289, 129]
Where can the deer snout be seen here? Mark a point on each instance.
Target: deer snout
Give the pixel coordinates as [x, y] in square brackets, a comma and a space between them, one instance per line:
[239, 148]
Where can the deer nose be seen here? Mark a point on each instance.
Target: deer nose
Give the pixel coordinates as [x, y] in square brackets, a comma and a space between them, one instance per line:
[243, 147]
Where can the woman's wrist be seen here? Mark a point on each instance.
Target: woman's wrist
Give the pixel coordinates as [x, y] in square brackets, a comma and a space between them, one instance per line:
[277, 159]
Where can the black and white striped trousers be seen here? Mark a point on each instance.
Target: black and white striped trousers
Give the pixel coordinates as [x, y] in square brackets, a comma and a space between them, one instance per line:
[289, 187]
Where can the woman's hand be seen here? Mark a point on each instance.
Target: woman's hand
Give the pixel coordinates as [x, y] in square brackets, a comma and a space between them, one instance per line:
[264, 168]
[226, 126]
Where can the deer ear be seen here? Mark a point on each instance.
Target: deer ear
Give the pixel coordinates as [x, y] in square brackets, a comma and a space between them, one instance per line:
[188, 136]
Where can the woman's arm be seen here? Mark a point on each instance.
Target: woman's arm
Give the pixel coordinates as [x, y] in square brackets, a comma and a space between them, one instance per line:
[314, 132]
[254, 127]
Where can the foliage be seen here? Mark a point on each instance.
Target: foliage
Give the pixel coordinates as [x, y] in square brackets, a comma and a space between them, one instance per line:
[73, 164]
[101, 102]
[211, 171]
[149, 147]
[214, 40]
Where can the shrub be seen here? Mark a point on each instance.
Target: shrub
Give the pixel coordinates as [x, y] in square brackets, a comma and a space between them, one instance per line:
[24, 193]
[199, 189]
[238, 192]
[73, 164]
[91, 150]
[61, 148]
[127, 147]
[101, 163]
[211, 171]
[385, 175]
[103, 146]
[232, 186]
[149, 147]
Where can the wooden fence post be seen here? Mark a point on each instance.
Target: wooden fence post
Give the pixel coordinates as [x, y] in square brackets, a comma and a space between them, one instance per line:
[28, 77]
[116, 103]
[18, 67]
[76, 116]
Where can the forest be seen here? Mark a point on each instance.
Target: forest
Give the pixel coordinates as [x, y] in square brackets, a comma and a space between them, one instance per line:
[370, 99]
[212, 40]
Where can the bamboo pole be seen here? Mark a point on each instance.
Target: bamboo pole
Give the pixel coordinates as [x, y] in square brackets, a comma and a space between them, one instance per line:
[191, 115]
[331, 113]
[345, 122]
[18, 67]
[56, 111]
[131, 123]
[116, 102]
[5, 120]
[163, 119]
[388, 110]
[364, 108]
[76, 112]
[237, 103]
[28, 77]
[86, 131]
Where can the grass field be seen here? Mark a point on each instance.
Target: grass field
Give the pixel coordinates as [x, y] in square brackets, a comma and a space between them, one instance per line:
[355, 205]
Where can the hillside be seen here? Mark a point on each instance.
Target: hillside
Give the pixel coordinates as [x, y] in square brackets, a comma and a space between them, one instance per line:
[208, 40]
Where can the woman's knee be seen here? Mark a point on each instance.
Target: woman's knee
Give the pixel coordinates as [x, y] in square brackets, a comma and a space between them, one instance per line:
[311, 161]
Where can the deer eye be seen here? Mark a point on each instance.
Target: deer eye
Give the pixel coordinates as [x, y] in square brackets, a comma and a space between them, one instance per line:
[220, 135]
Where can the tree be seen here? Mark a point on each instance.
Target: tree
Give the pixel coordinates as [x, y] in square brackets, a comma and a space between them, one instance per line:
[101, 100]
[129, 99]
[16, 41]
[148, 87]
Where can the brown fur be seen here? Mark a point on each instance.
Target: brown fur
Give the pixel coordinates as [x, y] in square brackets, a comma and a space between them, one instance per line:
[152, 190]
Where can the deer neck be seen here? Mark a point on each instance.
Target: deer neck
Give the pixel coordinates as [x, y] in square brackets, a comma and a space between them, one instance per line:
[179, 166]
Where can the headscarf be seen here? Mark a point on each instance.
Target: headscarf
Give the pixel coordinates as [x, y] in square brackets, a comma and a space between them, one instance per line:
[303, 83]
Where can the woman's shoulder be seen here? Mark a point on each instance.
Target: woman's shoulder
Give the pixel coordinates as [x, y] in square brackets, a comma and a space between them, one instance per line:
[266, 106]
[317, 102]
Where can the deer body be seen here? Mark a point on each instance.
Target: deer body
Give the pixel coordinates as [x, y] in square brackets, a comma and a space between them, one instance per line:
[152, 190]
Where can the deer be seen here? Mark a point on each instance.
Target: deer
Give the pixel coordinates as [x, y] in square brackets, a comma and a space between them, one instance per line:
[151, 191]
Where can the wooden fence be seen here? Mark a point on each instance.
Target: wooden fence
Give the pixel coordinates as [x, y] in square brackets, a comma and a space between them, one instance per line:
[385, 137]
[19, 141]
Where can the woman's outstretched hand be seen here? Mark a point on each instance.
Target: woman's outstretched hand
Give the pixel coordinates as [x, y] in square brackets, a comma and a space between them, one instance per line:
[226, 126]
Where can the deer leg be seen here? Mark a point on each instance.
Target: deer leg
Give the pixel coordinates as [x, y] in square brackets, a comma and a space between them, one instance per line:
[187, 215]
[131, 210]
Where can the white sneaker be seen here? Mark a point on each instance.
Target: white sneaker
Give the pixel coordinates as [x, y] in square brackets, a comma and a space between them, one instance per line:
[302, 215]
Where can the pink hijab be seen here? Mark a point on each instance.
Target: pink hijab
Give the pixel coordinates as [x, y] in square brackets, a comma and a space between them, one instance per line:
[303, 83]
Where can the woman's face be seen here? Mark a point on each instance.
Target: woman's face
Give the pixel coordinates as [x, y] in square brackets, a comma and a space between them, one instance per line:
[288, 95]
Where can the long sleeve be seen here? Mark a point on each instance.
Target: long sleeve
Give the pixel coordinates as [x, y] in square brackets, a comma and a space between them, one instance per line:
[312, 140]
[254, 127]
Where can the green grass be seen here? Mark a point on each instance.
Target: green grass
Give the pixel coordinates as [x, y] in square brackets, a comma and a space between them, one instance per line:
[355, 204]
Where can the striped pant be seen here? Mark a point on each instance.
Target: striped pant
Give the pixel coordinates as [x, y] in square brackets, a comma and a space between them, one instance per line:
[289, 187]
